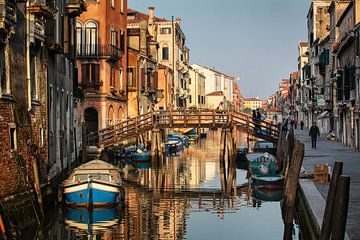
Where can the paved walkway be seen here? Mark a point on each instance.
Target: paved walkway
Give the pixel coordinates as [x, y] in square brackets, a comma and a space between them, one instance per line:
[329, 152]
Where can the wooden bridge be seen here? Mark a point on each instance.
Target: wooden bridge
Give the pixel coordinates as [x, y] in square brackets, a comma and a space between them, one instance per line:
[159, 119]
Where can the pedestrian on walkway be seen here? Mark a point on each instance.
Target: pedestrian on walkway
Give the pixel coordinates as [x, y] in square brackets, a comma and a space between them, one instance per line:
[314, 133]
[295, 123]
[302, 125]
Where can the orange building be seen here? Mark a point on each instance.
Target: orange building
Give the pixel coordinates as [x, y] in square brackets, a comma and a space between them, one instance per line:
[102, 57]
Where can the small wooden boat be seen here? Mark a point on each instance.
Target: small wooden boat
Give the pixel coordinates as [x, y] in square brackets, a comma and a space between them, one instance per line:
[95, 183]
[171, 147]
[92, 221]
[268, 182]
[264, 146]
[262, 164]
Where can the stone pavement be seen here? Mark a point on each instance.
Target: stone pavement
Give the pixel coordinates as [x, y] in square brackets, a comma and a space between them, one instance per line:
[329, 152]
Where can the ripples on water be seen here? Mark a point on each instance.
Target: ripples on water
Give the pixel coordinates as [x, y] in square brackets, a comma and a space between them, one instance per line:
[182, 199]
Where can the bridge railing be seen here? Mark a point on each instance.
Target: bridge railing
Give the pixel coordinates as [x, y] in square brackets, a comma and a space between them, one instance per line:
[176, 118]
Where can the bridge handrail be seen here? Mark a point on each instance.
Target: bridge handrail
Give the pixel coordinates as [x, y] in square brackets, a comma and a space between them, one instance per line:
[169, 118]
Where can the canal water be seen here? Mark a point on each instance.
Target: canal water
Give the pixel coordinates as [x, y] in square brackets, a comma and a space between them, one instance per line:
[181, 199]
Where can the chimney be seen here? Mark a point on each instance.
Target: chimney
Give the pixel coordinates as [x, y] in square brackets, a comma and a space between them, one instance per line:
[178, 20]
[151, 15]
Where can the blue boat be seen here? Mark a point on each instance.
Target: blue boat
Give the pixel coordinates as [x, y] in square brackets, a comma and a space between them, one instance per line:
[171, 147]
[141, 165]
[92, 221]
[184, 139]
[92, 184]
[241, 154]
[140, 156]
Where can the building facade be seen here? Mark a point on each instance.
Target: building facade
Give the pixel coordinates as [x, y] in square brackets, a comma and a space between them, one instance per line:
[196, 89]
[101, 61]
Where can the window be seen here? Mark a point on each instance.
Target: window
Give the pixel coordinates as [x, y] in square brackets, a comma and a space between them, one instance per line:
[112, 76]
[165, 52]
[91, 38]
[166, 30]
[90, 75]
[121, 6]
[121, 87]
[79, 37]
[190, 98]
[32, 74]
[112, 2]
[131, 77]
[13, 143]
[199, 99]
[42, 137]
[113, 36]
[2, 69]
[122, 40]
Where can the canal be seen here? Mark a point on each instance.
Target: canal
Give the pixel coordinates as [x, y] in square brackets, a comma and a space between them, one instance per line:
[181, 199]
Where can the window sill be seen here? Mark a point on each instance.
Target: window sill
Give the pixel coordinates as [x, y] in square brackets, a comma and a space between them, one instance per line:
[6, 96]
[35, 102]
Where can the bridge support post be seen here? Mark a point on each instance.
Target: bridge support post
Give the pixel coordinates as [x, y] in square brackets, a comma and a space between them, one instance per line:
[156, 152]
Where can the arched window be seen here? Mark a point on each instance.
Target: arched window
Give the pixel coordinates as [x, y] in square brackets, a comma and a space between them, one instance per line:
[91, 37]
[120, 115]
[79, 37]
[111, 116]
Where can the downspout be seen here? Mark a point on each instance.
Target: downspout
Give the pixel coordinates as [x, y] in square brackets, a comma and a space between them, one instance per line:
[28, 80]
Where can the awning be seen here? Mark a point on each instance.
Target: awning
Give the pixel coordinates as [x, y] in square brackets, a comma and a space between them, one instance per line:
[323, 115]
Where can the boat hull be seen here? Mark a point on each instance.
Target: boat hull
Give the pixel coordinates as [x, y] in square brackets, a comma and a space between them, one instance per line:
[92, 194]
[268, 182]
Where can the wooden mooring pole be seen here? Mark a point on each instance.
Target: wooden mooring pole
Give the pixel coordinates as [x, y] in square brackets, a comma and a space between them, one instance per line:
[341, 208]
[329, 208]
[156, 152]
[231, 159]
[291, 189]
[222, 159]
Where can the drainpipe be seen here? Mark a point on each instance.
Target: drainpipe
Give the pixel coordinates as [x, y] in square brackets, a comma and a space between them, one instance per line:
[28, 80]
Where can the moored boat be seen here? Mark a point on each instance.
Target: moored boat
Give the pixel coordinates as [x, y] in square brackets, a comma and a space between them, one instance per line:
[95, 183]
[268, 182]
[241, 154]
[262, 146]
[140, 156]
[262, 164]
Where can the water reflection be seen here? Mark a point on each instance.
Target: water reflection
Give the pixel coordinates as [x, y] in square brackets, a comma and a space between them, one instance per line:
[180, 199]
[93, 222]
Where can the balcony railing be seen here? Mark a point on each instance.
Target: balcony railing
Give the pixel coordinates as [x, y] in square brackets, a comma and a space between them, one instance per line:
[98, 51]
[75, 7]
[42, 8]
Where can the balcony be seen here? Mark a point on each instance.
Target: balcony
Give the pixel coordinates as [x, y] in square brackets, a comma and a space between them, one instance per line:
[98, 51]
[7, 13]
[42, 9]
[75, 7]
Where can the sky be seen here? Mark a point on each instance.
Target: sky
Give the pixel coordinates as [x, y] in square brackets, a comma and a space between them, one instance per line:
[254, 40]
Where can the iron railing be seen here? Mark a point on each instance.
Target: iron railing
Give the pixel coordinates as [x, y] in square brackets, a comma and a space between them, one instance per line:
[98, 50]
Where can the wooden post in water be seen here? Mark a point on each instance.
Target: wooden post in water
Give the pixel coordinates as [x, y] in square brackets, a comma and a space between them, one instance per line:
[155, 145]
[328, 214]
[291, 189]
[341, 208]
[222, 159]
[231, 159]
[83, 142]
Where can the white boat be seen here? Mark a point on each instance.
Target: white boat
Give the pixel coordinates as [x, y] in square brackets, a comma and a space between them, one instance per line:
[95, 183]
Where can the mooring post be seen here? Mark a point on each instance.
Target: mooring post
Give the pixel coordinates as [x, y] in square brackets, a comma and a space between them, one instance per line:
[83, 142]
[291, 187]
[222, 159]
[341, 208]
[329, 213]
[231, 159]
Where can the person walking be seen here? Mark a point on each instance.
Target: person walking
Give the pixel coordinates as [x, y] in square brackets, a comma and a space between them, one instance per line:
[302, 125]
[314, 133]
